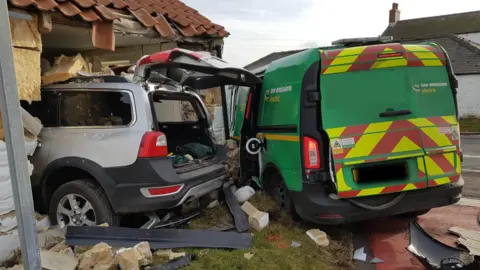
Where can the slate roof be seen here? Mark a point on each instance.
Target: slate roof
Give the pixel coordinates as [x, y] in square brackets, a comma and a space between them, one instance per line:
[459, 23]
[264, 61]
[166, 16]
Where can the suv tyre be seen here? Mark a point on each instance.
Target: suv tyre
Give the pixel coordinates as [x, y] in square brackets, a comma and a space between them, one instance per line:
[81, 203]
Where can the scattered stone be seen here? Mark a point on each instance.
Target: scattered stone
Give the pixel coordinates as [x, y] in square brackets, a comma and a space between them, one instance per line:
[243, 194]
[57, 261]
[68, 251]
[319, 237]
[256, 219]
[144, 256]
[232, 144]
[59, 247]
[234, 164]
[213, 204]
[100, 257]
[295, 244]
[127, 259]
[51, 237]
[168, 253]
[248, 255]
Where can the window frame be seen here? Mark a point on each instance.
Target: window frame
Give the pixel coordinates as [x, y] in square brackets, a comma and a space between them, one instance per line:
[59, 106]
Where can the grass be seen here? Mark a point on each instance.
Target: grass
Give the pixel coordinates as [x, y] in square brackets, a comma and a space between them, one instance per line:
[470, 124]
[268, 254]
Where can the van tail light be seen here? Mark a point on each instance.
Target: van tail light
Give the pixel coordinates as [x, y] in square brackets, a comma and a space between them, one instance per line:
[311, 154]
[154, 144]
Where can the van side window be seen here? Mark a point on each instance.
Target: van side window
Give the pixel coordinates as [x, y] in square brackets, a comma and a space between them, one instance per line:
[168, 111]
[46, 109]
[95, 108]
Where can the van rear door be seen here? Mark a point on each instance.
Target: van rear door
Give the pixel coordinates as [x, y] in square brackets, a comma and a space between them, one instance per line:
[390, 115]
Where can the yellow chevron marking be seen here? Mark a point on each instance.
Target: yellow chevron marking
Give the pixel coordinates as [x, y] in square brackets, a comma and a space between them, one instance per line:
[409, 187]
[378, 127]
[370, 191]
[365, 145]
[451, 119]
[335, 132]
[421, 164]
[427, 57]
[432, 167]
[458, 165]
[451, 158]
[436, 136]
[342, 184]
[344, 60]
[442, 181]
[404, 145]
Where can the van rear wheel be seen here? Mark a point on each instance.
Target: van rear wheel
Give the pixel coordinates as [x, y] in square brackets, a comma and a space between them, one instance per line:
[277, 189]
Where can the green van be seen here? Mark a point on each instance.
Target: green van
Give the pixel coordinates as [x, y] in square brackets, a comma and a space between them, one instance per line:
[360, 130]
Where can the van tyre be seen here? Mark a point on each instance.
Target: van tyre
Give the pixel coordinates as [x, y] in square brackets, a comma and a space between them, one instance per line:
[279, 192]
[81, 203]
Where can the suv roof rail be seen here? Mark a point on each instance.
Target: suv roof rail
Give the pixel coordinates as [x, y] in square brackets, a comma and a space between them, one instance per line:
[95, 79]
[350, 42]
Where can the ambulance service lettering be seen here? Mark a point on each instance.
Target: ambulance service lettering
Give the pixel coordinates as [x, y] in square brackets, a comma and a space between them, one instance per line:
[274, 94]
[426, 88]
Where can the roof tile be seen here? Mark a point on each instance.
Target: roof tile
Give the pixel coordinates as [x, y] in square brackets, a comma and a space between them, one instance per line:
[160, 14]
[163, 27]
[119, 4]
[144, 17]
[45, 5]
[89, 15]
[132, 5]
[106, 13]
[68, 9]
[84, 3]
[188, 31]
[103, 36]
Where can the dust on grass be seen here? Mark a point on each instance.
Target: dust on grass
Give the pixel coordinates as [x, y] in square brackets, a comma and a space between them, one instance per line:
[470, 123]
[267, 253]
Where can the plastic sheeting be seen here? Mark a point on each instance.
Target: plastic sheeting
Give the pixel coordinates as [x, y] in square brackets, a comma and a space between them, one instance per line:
[6, 196]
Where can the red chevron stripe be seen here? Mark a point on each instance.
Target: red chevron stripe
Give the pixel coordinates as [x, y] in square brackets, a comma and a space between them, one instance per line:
[391, 139]
[348, 194]
[420, 185]
[432, 183]
[393, 189]
[438, 121]
[454, 178]
[401, 124]
[420, 174]
[443, 162]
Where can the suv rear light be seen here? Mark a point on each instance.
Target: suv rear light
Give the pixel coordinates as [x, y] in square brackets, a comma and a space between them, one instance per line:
[161, 191]
[165, 56]
[154, 144]
[311, 154]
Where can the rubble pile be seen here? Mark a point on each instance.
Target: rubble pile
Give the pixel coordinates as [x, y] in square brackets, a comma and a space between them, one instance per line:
[233, 160]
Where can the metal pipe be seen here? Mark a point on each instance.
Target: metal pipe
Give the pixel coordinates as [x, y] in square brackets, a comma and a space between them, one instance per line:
[17, 155]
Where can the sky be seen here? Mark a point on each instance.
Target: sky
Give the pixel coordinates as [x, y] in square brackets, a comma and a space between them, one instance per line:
[260, 27]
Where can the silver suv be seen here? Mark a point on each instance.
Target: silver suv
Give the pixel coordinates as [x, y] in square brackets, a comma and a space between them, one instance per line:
[111, 148]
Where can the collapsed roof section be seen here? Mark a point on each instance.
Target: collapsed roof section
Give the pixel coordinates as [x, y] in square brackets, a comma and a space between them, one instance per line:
[171, 19]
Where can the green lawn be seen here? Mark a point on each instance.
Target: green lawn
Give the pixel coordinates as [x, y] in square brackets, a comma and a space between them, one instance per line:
[268, 254]
[470, 124]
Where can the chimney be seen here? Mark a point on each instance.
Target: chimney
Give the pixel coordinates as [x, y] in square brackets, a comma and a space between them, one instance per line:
[394, 14]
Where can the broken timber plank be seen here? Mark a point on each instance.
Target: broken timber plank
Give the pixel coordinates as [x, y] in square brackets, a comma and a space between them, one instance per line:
[468, 238]
[30, 123]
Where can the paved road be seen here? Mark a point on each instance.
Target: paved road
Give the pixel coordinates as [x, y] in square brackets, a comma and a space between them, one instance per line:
[471, 165]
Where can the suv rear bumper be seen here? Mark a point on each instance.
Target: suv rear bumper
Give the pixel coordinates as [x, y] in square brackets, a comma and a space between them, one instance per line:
[132, 181]
[312, 204]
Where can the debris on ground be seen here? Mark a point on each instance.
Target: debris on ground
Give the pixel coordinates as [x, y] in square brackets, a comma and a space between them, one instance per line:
[248, 255]
[213, 204]
[256, 219]
[176, 263]
[127, 259]
[376, 260]
[239, 218]
[319, 237]
[468, 238]
[233, 160]
[144, 253]
[168, 253]
[98, 257]
[57, 261]
[434, 254]
[243, 194]
[360, 254]
[295, 244]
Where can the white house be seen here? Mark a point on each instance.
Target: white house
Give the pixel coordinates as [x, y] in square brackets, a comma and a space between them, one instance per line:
[459, 34]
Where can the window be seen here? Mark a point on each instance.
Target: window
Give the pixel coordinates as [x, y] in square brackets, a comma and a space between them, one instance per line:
[95, 108]
[175, 111]
[46, 110]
